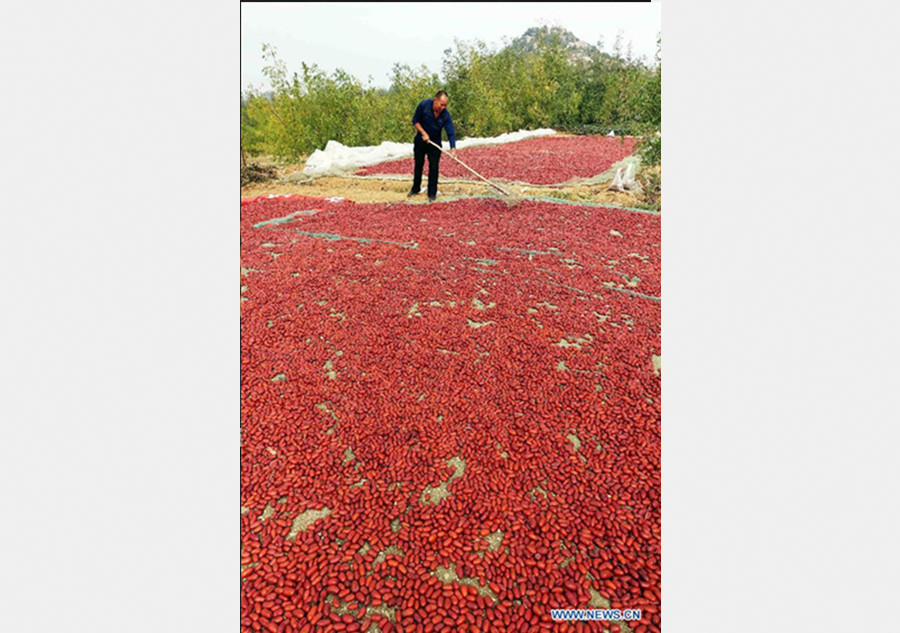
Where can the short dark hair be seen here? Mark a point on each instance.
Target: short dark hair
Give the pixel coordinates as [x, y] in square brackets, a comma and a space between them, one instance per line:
[441, 93]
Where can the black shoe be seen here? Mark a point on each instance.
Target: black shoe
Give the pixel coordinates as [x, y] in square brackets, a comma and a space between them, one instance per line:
[412, 193]
[430, 198]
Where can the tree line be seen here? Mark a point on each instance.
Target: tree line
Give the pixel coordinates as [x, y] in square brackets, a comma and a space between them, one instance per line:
[491, 92]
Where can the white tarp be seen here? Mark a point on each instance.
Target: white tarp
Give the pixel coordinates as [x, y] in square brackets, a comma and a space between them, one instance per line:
[336, 158]
[624, 178]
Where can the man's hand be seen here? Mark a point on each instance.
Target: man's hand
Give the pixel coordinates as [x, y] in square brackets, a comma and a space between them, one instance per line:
[452, 152]
[425, 137]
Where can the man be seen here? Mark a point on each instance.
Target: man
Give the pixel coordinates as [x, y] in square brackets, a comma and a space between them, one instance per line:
[430, 118]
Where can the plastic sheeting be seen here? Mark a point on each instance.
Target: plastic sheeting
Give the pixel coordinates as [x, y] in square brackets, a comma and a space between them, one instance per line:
[624, 178]
[337, 158]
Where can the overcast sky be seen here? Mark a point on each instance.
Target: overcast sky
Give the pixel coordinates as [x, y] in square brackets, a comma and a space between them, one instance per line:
[367, 39]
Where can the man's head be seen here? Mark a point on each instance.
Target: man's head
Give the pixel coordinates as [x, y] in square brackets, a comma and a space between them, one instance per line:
[440, 102]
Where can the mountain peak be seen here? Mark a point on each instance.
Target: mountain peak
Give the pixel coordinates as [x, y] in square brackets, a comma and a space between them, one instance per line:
[578, 50]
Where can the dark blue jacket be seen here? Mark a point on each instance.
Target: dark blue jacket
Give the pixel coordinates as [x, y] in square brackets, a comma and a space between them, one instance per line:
[425, 116]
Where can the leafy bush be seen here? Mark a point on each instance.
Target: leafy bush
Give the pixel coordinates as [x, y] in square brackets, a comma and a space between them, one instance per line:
[650, 150]
[589, 129]
[651, 188]
[491, 92]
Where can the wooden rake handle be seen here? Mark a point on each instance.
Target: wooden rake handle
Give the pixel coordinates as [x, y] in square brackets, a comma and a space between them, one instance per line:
[497, 187]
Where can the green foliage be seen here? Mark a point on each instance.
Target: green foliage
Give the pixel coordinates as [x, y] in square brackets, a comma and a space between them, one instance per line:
[584, 129]
[496, 92]
[651, 189]
[394, 109]
[305, 110]
[252, 137]
[650, 150]
[491, 92]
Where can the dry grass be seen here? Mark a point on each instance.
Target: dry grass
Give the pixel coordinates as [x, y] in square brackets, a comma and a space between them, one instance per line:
[290, 180]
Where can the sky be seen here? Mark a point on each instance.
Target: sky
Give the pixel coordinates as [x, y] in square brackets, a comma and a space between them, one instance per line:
[367, 39]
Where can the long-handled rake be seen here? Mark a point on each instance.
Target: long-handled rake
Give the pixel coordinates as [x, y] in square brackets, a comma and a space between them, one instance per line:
[497, 187]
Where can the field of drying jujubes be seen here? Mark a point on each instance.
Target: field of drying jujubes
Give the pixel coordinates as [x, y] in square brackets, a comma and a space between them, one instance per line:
[450, 412]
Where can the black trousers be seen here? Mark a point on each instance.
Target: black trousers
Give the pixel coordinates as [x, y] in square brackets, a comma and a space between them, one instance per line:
[421, 149]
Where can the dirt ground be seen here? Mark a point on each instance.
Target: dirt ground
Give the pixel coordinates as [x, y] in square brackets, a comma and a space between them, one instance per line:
[388, 188]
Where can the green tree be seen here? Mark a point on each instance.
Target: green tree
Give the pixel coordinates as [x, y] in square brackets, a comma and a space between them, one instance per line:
[491, 92]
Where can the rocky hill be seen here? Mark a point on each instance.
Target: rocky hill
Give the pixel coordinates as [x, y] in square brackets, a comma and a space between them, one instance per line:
[579, 50]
